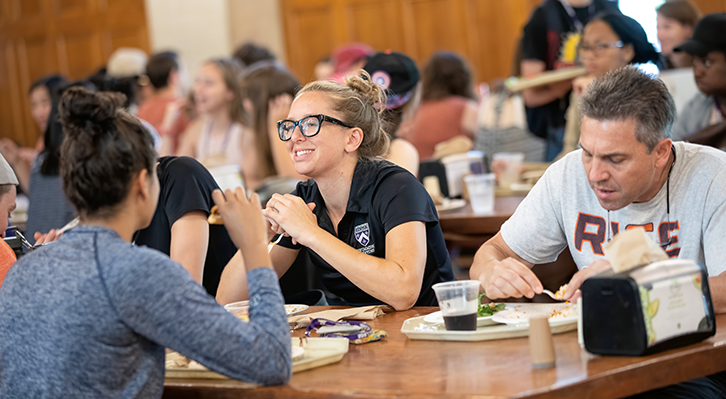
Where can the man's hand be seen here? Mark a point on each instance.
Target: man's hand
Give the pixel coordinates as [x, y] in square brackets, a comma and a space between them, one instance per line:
[573, 287]
[509, 278]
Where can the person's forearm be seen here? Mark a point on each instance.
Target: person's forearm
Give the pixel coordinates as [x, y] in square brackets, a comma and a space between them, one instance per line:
[233, 282]
[538, 96]
[487, 255]
[382, 279]
[718, 292]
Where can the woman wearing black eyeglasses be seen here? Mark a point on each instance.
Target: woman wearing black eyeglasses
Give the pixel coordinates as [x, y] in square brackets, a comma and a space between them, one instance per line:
[369, 226]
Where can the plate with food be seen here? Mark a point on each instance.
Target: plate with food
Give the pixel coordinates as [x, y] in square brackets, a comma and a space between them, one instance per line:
[557, 313]
[449, 204]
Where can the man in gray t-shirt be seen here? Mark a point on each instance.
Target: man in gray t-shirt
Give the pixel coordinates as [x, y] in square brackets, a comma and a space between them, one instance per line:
[628, 173]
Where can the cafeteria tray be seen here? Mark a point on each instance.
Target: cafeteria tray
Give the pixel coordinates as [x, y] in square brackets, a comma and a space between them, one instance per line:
[318, 352]
[417, 328]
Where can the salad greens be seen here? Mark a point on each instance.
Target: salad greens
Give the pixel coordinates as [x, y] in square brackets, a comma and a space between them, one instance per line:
[488, 309]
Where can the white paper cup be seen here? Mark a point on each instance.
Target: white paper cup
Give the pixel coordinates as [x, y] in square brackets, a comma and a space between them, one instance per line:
[458, 303]
[481, 192]
[509, 168]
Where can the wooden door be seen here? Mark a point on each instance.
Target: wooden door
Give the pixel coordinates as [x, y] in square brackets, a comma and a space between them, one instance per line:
[70, 37]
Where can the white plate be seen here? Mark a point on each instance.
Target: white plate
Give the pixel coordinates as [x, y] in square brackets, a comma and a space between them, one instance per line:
[297, 352]
[558, 313]
[451, 204]
[438, 318]
[295, 309]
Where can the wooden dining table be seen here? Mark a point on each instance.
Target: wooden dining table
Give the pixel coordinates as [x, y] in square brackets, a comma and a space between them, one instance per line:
[400, 367]
[464, 221]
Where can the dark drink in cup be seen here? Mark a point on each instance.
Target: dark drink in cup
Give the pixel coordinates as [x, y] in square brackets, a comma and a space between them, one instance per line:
[458, 303]
[464, 322]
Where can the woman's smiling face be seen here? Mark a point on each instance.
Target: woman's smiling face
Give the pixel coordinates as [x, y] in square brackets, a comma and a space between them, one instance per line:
[322, 153]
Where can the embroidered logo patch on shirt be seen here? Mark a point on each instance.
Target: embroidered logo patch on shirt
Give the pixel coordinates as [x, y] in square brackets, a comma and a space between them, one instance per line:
[362, 234]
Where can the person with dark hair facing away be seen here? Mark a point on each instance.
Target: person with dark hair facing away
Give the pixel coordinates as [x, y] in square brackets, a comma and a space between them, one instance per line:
[676, 20]
[250, 53]
[549, 41]
[708, 48]
[91, 300]
[163, 109]
[368, 225]
[448, 104]
[398, 76]
[609, 42]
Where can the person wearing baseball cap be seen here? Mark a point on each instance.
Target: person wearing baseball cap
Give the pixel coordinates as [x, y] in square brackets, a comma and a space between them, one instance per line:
[397, 74]
[708, 48]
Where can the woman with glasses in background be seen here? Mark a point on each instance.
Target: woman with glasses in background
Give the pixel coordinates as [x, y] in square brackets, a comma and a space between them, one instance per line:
[609, 42]
[367, 225]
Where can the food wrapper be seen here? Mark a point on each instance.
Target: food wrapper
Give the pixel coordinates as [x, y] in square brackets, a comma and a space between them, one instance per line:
[630, 248]
[357, 313]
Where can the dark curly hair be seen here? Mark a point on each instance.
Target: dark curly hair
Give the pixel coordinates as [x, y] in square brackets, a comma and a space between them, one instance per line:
[104, 148]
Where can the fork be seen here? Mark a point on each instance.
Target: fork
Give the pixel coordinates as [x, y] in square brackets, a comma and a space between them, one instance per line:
[552, 295]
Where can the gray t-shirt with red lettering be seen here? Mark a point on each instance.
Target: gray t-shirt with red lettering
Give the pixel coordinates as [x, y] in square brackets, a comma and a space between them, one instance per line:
[563, 211]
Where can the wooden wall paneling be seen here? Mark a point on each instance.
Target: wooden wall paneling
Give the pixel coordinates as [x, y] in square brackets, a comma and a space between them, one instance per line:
[71, 37]
[376, 23]
[435, 25]
[81, 53]
[29, 8]
[495, 31]
[65, 8]
[711, 6]
[310, 34]
[11, 120]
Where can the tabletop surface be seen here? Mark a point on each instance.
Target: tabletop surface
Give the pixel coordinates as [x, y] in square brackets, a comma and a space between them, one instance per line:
[464, 221]
[398, 366]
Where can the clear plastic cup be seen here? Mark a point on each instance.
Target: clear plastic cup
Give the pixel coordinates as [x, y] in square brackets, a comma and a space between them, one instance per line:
[508, 166]
[458, 303]
[481, 192]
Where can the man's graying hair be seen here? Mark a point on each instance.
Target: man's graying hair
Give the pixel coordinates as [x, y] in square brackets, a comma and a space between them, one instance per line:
[628, 93]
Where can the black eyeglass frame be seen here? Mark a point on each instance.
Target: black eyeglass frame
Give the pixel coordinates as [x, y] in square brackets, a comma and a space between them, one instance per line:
[297, 124]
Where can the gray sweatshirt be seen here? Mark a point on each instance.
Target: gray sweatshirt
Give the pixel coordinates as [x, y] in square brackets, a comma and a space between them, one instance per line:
[90, 315]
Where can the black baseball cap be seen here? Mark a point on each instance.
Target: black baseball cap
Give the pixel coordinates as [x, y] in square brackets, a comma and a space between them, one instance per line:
[396, 73]
[707, 36]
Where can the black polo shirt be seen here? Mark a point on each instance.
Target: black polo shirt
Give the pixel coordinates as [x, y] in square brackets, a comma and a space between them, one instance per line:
[382, 196]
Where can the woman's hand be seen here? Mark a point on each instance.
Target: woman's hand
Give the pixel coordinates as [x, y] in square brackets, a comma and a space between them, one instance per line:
[289, 214]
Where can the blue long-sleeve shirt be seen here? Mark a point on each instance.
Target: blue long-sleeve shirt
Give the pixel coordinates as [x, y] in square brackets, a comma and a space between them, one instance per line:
[90, 316]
